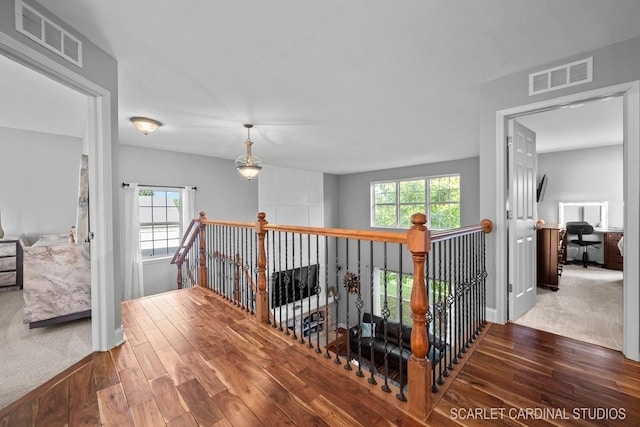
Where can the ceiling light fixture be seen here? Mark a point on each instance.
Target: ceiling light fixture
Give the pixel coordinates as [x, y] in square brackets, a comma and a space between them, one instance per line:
[248, 165]
[145, 125]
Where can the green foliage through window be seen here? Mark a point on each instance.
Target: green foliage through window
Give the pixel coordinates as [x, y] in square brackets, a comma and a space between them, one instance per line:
[394, 202]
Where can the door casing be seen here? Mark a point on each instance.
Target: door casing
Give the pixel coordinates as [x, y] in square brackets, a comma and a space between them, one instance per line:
[631, 293]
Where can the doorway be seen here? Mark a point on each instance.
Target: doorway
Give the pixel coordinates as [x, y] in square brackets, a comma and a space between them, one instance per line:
[105, 334]
[580, 155]
[631, 96]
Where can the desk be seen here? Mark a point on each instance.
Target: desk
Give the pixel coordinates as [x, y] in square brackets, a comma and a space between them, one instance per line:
[604, 253]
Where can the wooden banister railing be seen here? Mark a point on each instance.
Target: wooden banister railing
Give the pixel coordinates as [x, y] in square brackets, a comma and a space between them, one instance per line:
[253, 264]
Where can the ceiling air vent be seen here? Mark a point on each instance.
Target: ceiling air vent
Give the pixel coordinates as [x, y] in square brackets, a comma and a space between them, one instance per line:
[45, 32]
[566, 75]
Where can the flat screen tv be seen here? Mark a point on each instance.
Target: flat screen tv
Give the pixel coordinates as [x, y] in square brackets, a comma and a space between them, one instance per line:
[542, 186]
[286, 285]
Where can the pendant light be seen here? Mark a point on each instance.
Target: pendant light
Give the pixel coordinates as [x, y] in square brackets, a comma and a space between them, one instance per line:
[248, 165]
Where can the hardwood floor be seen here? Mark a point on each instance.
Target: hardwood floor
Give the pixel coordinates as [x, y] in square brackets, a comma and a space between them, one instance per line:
[191, 359]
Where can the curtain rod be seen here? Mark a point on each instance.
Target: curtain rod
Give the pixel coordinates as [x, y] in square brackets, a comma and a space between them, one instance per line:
[125, 184]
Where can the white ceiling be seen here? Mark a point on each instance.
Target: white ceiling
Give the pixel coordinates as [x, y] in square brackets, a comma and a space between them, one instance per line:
[332, 86]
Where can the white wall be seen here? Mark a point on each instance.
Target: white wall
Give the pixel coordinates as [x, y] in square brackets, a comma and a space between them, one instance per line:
[588, 175]
[291, 196]
[38, 182]
[222, 194]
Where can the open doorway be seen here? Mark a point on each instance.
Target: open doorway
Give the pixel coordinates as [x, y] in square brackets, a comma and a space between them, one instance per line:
[43, 125]
[580, 155]
[631, 99]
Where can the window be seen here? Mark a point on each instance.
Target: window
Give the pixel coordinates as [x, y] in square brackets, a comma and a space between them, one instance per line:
[393, 202]
[160, 225]
[389, 280]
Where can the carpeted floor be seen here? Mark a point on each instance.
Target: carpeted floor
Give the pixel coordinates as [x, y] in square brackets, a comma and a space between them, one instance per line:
[29, 357]
[587, 307]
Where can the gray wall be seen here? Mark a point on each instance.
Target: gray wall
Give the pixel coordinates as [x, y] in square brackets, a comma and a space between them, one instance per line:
[588, 175]
[330, 204]
[354, 190]
[615, 64]
[38, 182]
[222, 194]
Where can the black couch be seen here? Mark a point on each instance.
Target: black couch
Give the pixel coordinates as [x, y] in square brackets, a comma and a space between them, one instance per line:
[395, 356]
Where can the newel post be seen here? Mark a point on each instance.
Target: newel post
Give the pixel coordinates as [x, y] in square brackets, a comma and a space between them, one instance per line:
[262, 307]
[419, 366]
[203, 250]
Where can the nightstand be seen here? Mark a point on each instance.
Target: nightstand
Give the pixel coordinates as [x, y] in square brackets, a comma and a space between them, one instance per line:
[10, 262]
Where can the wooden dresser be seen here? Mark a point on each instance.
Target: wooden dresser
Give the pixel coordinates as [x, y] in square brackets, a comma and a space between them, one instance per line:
[612, 256]
[551, 247]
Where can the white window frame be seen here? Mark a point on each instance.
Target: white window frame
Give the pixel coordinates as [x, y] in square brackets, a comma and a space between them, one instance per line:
[158, 257]
[398, 204]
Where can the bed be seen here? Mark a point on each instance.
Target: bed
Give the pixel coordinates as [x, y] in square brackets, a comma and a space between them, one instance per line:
[57, 281]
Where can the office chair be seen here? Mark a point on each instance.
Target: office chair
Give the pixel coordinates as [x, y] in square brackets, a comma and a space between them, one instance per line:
[581, 228]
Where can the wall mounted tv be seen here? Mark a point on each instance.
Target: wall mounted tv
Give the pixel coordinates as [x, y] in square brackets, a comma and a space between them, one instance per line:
[285, 291]
[542, 186]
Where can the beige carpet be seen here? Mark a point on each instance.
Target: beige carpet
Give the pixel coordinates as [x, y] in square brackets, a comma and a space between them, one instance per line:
[30, 357]
[587, 307]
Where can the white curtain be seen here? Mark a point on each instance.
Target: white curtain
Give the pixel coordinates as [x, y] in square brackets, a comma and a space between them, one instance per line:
[188, 206]
[133, 279]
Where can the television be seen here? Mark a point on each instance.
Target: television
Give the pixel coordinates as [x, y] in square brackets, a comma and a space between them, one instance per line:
[542, 186]
[285, 291]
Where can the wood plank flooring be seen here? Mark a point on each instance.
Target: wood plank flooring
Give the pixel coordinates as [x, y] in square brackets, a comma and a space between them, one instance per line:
[192, 359]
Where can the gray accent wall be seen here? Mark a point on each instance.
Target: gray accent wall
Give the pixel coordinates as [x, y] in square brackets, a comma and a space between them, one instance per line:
[354, 190]
[222, 193]
[39, 182]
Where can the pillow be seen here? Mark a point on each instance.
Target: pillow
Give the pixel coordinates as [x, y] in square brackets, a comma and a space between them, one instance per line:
[367, 330]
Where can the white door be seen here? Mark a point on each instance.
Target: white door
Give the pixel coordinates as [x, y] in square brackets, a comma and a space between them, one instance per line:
[522, 219]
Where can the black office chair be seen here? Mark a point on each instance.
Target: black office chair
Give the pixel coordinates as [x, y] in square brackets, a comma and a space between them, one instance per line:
[580, 229]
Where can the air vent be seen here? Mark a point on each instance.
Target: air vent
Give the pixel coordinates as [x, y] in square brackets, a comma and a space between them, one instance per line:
[566, 75]
[45, 32]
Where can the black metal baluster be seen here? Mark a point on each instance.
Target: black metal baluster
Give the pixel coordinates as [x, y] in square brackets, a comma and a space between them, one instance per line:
[400, 396]
[432, 313]
[451, 301]
[385, 318]
[309, 314]
[359, 305]
[347, 365]
[336, 300]
[484, 281]
[372, 369]
[326, 296]
[301, 286]
[316, 289]
[441, 309]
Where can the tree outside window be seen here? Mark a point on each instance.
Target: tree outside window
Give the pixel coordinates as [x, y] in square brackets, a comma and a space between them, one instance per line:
[393, 202]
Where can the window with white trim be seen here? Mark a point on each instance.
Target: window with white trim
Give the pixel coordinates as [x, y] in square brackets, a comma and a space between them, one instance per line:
[393, 202]
[160, 224]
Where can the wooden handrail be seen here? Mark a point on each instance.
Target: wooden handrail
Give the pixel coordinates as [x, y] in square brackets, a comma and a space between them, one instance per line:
[485, 225]
[238, 224]
[186, 242]
[376, 236]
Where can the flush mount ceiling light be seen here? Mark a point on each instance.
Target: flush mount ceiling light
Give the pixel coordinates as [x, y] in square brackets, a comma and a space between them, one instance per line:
[248, 165]
[145, 125]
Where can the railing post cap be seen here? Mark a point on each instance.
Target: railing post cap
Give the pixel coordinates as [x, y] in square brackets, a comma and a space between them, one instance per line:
[418, 219]
[487, 225]
[262, 215]
[203, 215]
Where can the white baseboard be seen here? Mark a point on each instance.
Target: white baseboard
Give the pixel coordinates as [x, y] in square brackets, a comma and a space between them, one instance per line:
[118, 336]
[492, 315]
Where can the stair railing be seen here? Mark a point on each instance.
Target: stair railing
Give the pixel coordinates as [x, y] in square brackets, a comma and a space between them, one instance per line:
[318, 285]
